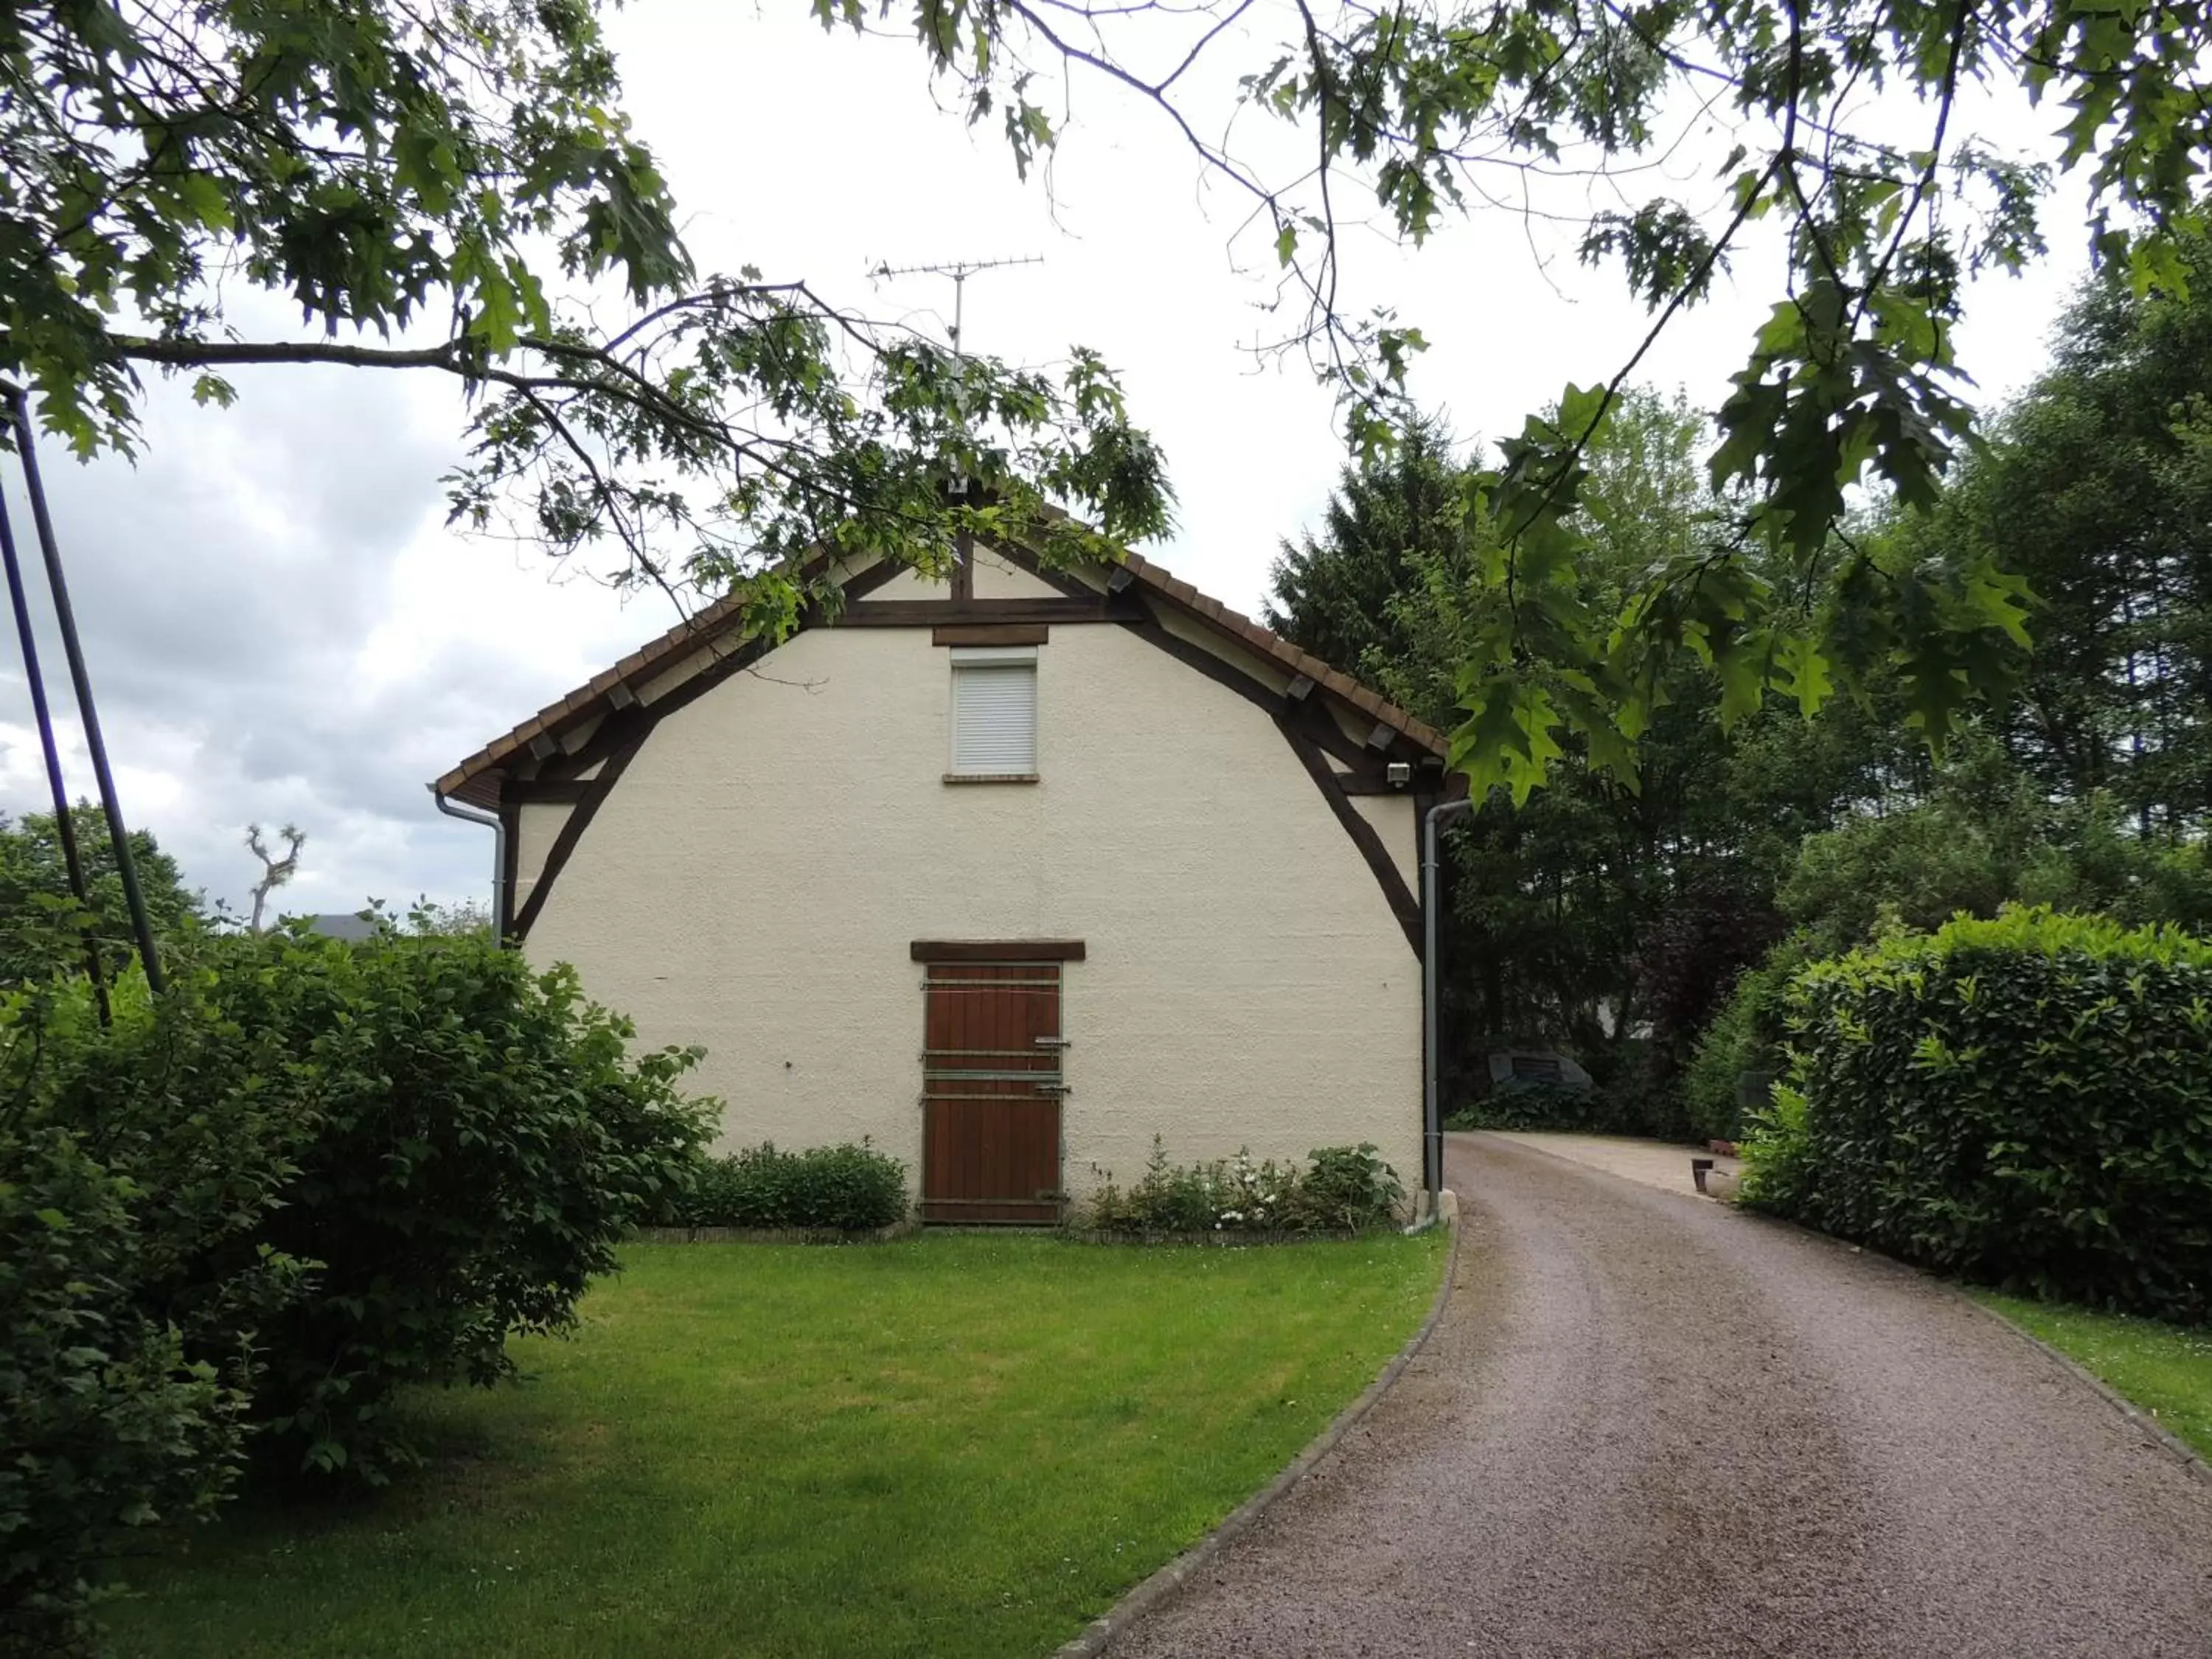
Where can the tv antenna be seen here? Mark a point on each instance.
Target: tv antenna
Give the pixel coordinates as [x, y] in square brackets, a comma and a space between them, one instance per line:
[959, 270]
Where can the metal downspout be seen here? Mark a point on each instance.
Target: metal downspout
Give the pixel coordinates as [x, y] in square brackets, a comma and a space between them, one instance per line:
[1432, 1128]
[497, 825]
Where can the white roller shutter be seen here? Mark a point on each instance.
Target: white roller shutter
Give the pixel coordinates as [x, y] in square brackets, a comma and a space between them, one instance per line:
[993, 714]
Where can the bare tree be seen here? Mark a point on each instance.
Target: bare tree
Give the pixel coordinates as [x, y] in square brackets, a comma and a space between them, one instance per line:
[274, 872]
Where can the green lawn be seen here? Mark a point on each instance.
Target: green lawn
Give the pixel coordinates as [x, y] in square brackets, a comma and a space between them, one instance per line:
[955, 1444]
[2165, 1370]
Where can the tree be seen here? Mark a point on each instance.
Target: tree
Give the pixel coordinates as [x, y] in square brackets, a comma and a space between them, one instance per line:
[462, 175]
[2097, 487]
[42, 930]
[275, 871]
[1391, 523]
[448, 187]
[1571, 912]
[1980, 834]
[1986, 834]
[1846, 139]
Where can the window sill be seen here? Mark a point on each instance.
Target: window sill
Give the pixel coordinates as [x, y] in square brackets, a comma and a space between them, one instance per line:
[990, 777]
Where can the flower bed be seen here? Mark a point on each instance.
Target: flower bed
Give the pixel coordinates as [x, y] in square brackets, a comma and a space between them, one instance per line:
[1341, 1190]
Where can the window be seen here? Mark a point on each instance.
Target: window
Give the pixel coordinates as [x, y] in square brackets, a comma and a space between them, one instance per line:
[993, 713]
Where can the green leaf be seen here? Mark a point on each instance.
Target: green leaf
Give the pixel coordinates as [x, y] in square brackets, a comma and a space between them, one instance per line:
[1803, 674]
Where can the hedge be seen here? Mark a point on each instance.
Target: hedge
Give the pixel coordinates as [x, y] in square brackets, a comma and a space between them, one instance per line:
[1746, 1039]
[848, 1189]
[2025, 1101]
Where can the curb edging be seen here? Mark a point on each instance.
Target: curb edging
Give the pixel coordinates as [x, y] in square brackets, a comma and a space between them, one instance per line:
[1101, 1632]
[2163, 1438]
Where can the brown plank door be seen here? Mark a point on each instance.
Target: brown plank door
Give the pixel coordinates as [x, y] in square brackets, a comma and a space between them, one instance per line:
[991, 1094]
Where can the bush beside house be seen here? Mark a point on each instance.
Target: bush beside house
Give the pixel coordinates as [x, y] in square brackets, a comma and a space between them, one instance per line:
[2024, 1101]
[245, 1214]
[848, 1189]
[1340, 1189]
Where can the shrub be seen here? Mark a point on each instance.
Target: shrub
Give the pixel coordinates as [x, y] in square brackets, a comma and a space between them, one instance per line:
[1634, 1100]
[1536, 1106]
[130, 1285]
[474, 1140]
[311, 1173]
[107, 1428]
[2024, 1101]
[845, 1188]
[1346, 1189]
[452, 1142]
[1745, 1041]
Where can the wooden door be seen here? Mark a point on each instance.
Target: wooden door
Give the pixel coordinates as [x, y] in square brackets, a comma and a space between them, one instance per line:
[991, 1093]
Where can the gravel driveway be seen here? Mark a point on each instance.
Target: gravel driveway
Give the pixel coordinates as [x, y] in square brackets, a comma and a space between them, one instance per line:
[1648, 1424]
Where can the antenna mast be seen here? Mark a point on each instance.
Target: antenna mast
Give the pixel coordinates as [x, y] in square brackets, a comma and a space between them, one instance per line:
[959, 270]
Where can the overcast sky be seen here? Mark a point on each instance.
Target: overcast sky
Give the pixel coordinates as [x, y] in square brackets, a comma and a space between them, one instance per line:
[280, 628]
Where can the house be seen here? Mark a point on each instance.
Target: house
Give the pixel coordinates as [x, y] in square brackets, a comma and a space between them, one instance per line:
[1009, 874]
[350, 926]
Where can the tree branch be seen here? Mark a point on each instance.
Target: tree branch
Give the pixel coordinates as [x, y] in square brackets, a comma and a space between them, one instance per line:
[213, 353]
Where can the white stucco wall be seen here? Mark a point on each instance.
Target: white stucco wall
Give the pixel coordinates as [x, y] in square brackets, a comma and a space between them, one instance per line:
[754, 881]
[909, 585]
[995, 578]
[536, 825]
[1393, 819]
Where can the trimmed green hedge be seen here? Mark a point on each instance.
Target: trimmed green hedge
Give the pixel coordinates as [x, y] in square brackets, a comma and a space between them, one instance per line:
[845, 1188]
[1589, 1110]
[1746, 1037]
[2026, 1102]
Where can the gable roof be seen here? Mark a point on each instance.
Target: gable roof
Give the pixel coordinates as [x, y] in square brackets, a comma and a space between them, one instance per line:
[476, 778]
[1271, 645]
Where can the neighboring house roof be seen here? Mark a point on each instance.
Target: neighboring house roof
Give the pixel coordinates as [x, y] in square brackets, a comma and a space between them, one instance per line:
[476, 778]
[333, 925]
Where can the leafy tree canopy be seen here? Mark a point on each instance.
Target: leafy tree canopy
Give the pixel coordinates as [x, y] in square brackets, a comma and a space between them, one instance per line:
[1568, 916]
[2097, 487]
[444, 187]
[1986, 835]
[1881, 203]
[42, 928]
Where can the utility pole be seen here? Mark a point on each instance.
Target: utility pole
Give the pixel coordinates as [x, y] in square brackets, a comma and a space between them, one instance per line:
[959, 270]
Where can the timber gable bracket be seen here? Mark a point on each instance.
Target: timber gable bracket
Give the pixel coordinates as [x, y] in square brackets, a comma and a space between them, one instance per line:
[1346, 754]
